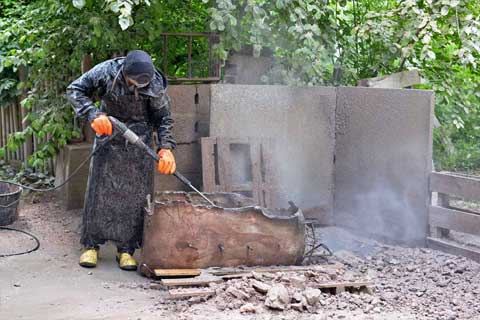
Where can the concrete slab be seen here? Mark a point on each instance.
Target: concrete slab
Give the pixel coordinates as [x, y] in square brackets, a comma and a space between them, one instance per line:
[191, 115]
[183, 98]
[383, 158]
[68, 160]
[303, 122]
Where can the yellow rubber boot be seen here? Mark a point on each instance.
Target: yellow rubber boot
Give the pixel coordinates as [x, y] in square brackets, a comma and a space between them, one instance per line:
[126, 261]
[89, 258]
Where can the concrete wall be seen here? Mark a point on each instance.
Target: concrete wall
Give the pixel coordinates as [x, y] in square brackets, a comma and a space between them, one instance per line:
[191, 123]
[68, 160]
[383, 158]
[373, 145]
[303, 122]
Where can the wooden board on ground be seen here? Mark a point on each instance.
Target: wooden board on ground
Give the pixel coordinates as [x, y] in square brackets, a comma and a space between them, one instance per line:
[202, 280]
[244, 271]
[176, 272]
[456, 249]
[341, 286]
[191, 292]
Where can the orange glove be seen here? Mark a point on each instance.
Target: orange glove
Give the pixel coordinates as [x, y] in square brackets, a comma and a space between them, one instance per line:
[102, 125]
[166, 165]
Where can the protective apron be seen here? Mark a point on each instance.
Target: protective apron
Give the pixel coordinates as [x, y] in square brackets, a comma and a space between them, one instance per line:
[121, 177]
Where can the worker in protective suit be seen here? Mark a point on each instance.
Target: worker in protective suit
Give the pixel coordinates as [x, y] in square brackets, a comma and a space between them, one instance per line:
[121, 175]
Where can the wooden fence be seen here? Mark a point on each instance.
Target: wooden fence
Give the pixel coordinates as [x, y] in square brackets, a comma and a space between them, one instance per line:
[11, 121]
[445, 216]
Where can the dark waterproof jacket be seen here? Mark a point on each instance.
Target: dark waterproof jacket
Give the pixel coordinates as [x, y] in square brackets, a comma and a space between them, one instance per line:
[99, 80]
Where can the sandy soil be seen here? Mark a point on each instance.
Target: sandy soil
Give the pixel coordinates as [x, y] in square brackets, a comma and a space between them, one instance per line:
[49, 283]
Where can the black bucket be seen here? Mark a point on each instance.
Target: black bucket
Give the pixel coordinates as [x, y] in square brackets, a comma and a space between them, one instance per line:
[9, 199]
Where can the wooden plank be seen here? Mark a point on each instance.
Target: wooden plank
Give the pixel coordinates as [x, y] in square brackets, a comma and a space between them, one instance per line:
[224, 164]
[4, 131]
[255, 159]
[188, 293]
[28, 145]
[435, 231]
[8, 112]
[237, 276]
[3, 126]
[18, 120]
[248, 186]
[202, 280]
[344, 284]
[268, 189]
[396, 80]
[456, 249]
[454, 184]
[454, 220]
[208, 164]
[176, 272]
[245, 271]
[13, 115]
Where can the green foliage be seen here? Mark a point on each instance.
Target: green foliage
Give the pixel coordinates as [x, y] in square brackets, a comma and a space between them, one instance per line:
[340, 42]
[313, 43]
[25, 176]
[51, 37]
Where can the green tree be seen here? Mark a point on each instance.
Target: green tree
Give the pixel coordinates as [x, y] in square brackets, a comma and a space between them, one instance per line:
[340, 42]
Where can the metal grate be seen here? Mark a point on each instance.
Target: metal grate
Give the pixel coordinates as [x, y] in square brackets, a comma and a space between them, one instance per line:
[214, 68]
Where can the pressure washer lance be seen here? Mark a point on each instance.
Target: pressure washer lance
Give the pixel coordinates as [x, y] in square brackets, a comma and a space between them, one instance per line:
[131, 137]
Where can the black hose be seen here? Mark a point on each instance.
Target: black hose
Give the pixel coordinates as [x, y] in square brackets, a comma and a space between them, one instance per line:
[23, 252]
[103, 143]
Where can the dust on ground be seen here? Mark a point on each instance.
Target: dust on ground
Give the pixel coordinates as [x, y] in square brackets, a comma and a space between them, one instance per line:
[409, 283]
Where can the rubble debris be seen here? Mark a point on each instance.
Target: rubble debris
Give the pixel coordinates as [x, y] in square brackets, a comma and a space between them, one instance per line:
[190, 292]
[277, 297]
[312, 296]
[248, 308]
[260, 286]
[381, 283]
[237, 293]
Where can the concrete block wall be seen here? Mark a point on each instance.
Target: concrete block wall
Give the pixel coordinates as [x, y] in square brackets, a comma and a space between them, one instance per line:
[357, 157]
[191, 116]
[68, 160]
[383, 153]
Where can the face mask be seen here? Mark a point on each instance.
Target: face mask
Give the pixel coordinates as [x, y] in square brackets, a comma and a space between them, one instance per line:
[141, 85]
[132, 84]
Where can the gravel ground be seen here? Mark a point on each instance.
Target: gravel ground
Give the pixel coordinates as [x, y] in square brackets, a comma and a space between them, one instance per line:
[409, 283]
